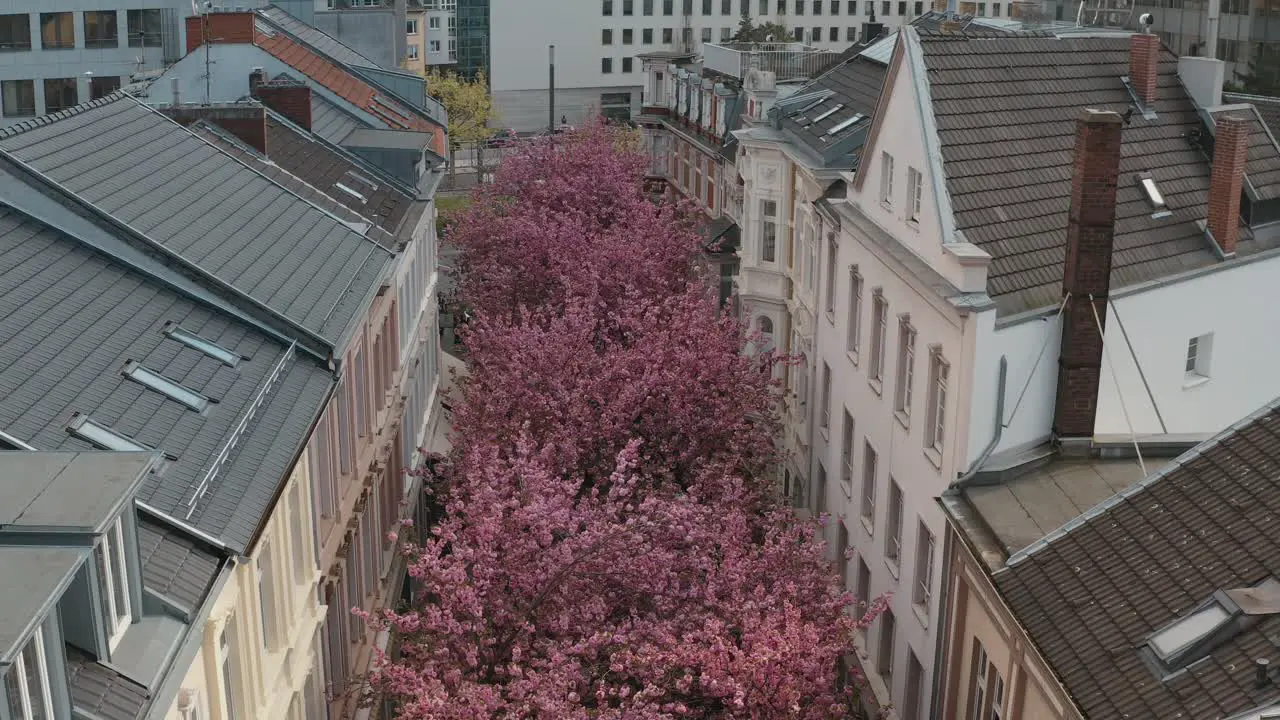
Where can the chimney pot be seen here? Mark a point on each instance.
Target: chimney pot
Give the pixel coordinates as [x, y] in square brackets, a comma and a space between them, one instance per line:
[1261, 667]
[1087, 272]
[1144, 65]
[1230, 153]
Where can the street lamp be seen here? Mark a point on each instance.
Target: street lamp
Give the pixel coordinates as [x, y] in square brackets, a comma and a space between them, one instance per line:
[551, 89]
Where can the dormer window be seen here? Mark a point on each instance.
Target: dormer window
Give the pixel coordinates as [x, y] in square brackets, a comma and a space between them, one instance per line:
[1154, 196]
[27, 682]
[114, 584]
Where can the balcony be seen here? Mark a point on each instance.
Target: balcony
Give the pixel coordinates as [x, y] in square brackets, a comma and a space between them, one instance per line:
[787, 61]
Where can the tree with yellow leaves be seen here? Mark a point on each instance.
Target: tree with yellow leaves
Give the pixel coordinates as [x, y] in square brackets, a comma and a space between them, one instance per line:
[468, 105]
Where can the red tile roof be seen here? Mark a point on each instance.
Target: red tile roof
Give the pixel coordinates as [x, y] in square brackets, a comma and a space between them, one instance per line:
[349, 87]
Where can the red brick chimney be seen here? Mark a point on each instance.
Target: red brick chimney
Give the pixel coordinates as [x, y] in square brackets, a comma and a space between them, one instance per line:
[1230, 152]
[221, 27]
[246, 121]
[1144, 65]
[290, 98]
[1087, 272]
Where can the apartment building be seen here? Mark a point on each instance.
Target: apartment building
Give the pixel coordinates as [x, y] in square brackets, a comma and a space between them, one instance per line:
[939, 217]
[368, 155]
[599, 44]
[57, 55]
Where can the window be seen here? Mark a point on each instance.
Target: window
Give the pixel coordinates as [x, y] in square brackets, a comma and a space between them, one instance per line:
[919, 9]
[884, 659]
[606, 37]
[937, 415]
[626, 64]
[831, 275]
[628, 36]
[101, 436]
[57, 31]
[607, 9]
[144, 28]
[606, 65]
[726, 7]
[726, 34]
[668, 7]
[114, 577]
[163, 385]
[302, 566]
[915, 683]
[826, 396]
[413, 52]
[862, 588]
[855, 313]
[820, 491]
[893, 539]
[433, 46]
[884, 8]
[764, 7]
[667, 36]
[411, 26]
[978, 692]
[646, 36]
[799, 7]
[982, 9]
[922, 592]
[853, 7]
[60, 94]
[869, 462]
[995, 9]
[798, 33]
[15, 32]
[879, 327]
[843, 548]
[433, 22]
[997, 696]
[817, 7]
[769, 238]
[266, 596]
[706, 34]
[902, 7]
[227, 651]
[100, 87]
[846, 453]
[906, 365]
[28, 682]
[1198, 351]
[647, 7]
[886, 177]
[915, 189]
[833, 34]
[706, 7]
[19, 98]
[628, 7]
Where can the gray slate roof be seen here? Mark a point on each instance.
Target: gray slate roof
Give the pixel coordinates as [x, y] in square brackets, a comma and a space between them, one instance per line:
[34, 577]
[330, 121]
[214, 211]
[1006, 109]
[855, 89]
[71, 318]
[69, 491]
[174, 565]
[1091, 596]
[102, 691]
[316, 38]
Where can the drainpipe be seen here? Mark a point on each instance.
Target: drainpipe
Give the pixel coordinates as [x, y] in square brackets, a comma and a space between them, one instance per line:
[998, 432]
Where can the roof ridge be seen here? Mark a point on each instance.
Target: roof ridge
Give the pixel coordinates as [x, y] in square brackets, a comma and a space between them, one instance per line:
[50, 118]
[261, 12]
[1144, 484]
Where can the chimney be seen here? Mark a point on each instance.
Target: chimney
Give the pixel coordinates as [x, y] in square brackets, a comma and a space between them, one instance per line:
[290, 98]
[1087, 275]
[1144, 64]
[246, 121]
[222, 28]
[175, 86]
[1230, 151]
[256, 78]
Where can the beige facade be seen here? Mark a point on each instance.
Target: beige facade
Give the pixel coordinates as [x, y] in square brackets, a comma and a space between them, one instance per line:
[259, 658]
[989, 668]
[416, 34]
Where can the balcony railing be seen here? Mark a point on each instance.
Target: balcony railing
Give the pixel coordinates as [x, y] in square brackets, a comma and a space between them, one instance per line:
[787, 61]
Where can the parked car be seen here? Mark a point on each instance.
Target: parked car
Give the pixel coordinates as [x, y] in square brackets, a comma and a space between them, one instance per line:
[502, 138]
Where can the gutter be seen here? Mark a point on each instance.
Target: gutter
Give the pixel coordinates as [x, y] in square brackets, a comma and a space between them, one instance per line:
[165, 694]
[966, 478]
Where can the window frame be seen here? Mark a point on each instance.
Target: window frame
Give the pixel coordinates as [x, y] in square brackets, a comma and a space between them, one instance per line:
[926, 547]
[853, 334]
[826, 397]
[20, 677]
[264, 567]
[939, 373]
[114, 583]
[886, 178]
[59, 42]
[893, 525]
[847, 433]
[831, 277]
[879, 334]
[769, 231]
[100, 16]
[18, 88]
[906, 367]
[13, 40]
[228, 667]
[915, 194]
[886, 645]
[870, 471]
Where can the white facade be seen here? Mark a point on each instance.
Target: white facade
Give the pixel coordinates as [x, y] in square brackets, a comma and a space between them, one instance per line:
[597, 42]
[56, 54]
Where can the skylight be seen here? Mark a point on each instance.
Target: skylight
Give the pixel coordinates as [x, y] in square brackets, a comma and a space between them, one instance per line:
[350, 192]
[165, 386]
[1186, 631]
[1152, 191]
[828, 113]
[810, 106]
[357, 177]
[191, 340]
[101, 436]
[845, 125]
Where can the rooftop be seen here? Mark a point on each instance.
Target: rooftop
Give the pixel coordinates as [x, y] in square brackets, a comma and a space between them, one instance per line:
[787, 61]
[316, 38]
[208, 208]
[1131, 558]
[832, 113]
[45, 572]
[1262, 169]
[1005, 109]
[70, 491]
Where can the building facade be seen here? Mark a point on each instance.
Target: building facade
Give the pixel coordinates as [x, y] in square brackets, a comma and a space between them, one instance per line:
[57, 55]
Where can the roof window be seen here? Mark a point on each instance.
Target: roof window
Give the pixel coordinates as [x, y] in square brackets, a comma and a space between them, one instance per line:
[1154, 196]
[351, 192]
[356, 178]
[1186, 631]
[165, 386]
[195, 342]
[101, 436]
[844, 125]
[1224, 615]
[828, 113]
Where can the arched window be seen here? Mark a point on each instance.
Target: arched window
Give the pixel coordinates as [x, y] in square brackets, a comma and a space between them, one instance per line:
[765, 326]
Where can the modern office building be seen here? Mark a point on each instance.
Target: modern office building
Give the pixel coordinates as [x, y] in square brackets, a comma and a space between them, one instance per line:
[55, 54]
[473, 37]
[598, 44]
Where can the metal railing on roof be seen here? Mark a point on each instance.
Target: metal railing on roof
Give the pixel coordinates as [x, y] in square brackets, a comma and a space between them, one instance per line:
[787, 61]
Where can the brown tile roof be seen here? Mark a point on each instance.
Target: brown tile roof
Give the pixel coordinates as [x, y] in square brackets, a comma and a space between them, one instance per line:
[1006, 109]
[1268, 108]
[1095, 591]
[349, 87]
[1263, 166]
